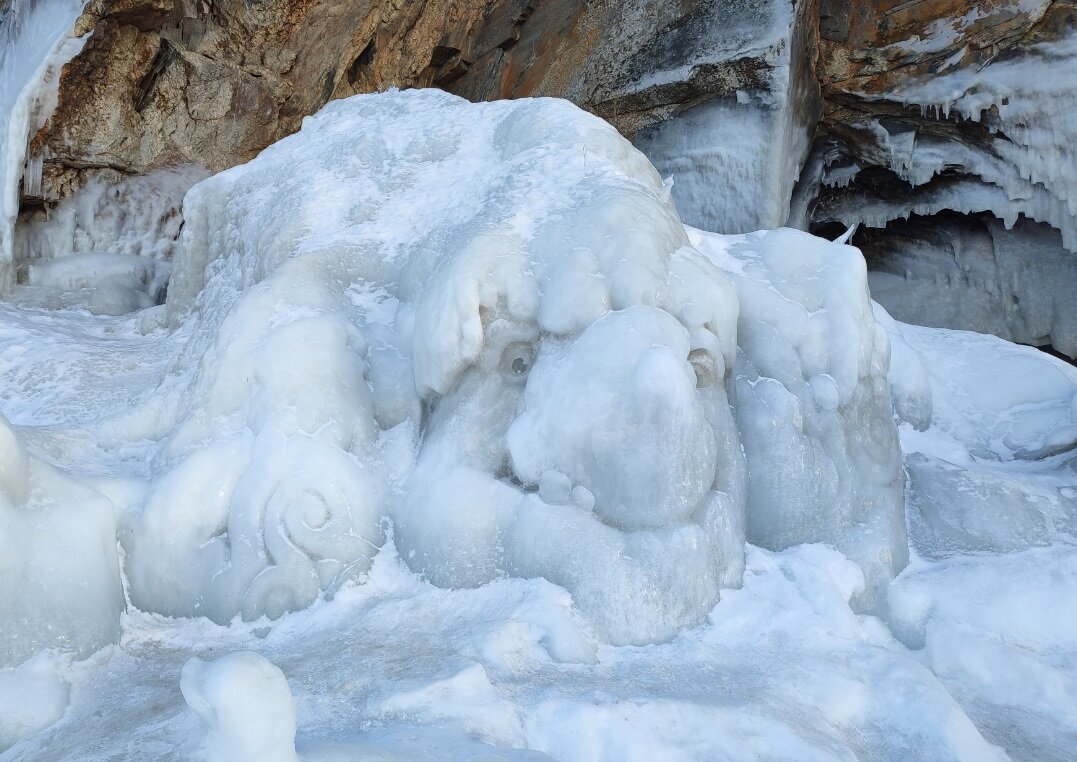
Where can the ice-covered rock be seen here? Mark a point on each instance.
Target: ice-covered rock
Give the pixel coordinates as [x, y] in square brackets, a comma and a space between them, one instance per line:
[107, 248]
[59, 568]
[34, 44]
[247, 706]
[976, 275]
[813, 407]
[500, 294]
[735, 150]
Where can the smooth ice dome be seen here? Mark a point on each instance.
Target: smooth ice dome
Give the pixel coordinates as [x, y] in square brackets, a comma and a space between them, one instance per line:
[246, 705]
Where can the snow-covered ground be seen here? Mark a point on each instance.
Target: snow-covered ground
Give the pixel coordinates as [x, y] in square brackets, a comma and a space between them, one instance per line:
[459, 427]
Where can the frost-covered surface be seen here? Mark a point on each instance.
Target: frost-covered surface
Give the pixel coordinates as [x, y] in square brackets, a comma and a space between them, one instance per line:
[108, 248]
[489, 327]
[813, 405]
[988, 600]
[397, 669]
[34, 44]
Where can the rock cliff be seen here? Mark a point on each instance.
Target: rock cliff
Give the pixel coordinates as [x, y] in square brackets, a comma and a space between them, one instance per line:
[820, 114]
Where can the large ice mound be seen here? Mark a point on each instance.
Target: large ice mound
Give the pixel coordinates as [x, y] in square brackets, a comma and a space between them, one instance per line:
[482, 320]
[485, 326]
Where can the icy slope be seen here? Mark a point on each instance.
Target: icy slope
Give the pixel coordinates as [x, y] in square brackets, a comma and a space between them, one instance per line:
[990, 448]
[397, 669]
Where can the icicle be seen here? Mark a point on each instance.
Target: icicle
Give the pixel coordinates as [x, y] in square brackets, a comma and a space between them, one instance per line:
[33, 46]
[31, 174]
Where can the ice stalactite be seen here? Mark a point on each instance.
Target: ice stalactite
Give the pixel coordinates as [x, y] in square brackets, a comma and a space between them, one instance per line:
[34, 44]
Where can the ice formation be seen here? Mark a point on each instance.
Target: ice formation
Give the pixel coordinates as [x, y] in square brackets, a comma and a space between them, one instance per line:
[988, 468]
[107, 248]
[1029, 164]
[971, 202]
[736, 154]
[34, 43]
[59, 572]
[977, 275]
[487, 411]
[813, 406]
[511, 292]
[247, 706]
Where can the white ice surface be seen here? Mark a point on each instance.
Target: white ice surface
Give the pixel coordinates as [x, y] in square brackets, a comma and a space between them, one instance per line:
[205, 417]
[988, 600]
[397, 669]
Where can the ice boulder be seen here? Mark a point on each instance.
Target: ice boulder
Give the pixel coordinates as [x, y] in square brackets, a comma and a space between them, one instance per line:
[247, 707]
[59, 567]
[484, 321]
[812, 405]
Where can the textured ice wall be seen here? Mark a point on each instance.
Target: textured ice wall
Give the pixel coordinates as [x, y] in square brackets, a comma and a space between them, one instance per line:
[484, 321]
[1028, 164]
[107, 248]
[34, 44]
[736, 155]
[977, 275]
[813, 406]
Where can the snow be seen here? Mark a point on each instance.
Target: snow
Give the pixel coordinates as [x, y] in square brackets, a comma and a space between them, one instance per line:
[987, 599]
[397, 669]
[456, 457]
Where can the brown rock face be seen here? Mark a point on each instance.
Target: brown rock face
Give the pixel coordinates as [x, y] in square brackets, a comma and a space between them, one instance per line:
[162, 83]
[874, 47]
[167, 82]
